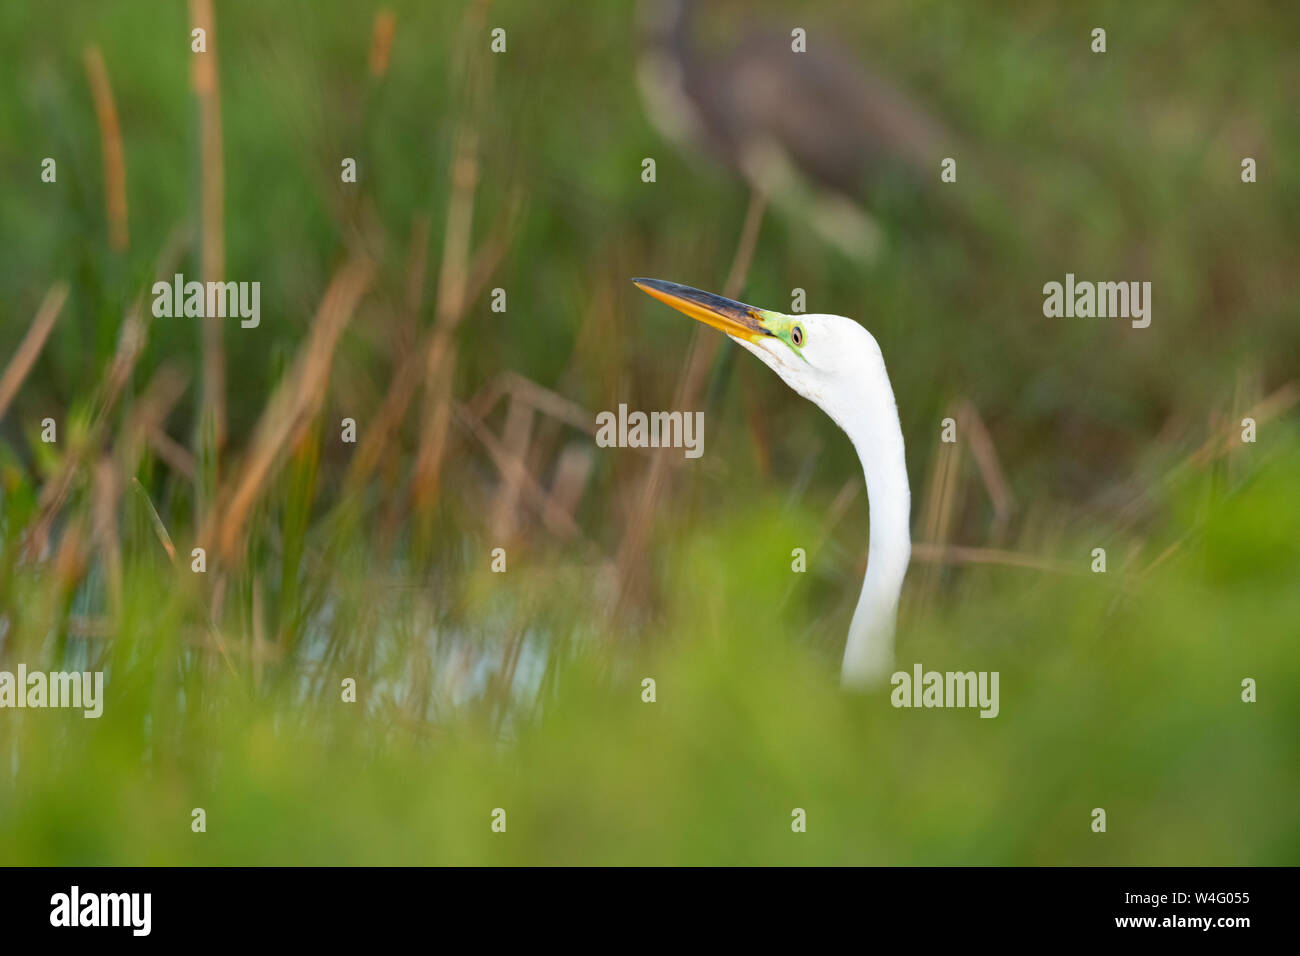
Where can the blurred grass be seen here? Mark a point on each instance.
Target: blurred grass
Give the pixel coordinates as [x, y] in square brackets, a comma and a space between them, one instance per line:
[522, 690]
[1134, 708]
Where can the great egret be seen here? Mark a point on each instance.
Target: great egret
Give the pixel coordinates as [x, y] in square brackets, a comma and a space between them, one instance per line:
[836, 364]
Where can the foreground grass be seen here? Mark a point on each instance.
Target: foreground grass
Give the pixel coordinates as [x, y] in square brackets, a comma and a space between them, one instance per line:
[1114, 694]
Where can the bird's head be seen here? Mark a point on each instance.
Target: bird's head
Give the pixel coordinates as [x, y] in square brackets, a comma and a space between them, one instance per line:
[828, 359]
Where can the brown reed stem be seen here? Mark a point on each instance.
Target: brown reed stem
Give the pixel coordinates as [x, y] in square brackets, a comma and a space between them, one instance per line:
[110, 136]
[24, 358]
[296, 401]
[212, 250]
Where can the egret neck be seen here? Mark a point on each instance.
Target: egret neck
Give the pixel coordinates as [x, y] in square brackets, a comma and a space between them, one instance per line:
[878, 439]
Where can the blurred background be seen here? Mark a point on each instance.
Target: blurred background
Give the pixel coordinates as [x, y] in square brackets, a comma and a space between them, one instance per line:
[524, 170]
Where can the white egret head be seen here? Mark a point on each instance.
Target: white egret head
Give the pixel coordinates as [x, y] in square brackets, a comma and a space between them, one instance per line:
[830, 360]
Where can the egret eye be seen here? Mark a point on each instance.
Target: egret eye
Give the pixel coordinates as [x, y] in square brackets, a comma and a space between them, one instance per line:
[796, 335]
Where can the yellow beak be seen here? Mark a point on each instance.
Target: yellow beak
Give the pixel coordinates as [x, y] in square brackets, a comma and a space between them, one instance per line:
[734, 318]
